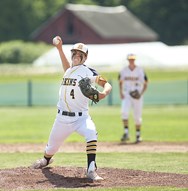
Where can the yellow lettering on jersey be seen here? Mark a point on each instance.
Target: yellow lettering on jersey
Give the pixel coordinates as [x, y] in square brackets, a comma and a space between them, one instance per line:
[69, 82]
[131, 78]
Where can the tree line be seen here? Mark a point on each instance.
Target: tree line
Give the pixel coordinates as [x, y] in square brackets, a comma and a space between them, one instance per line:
[19, 18]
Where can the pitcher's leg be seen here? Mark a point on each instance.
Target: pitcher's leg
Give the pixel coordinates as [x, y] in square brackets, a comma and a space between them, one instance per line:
[88, 130]
[58, 134]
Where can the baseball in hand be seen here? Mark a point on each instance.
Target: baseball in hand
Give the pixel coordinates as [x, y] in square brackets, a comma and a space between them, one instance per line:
[55, 41]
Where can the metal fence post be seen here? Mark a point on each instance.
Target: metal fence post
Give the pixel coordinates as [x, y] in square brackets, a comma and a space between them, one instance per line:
[29, 93]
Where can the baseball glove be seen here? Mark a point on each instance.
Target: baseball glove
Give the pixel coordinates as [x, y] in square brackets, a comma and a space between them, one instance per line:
[135, 94]
[88, 90]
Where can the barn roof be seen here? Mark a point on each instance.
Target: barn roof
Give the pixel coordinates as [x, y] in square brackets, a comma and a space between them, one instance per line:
[108, 22]
[112, 21]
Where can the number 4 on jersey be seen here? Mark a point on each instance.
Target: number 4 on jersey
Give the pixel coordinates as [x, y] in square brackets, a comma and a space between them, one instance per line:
[72, 94]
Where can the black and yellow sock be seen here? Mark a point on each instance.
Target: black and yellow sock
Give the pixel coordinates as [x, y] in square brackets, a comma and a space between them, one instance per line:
[91, 151]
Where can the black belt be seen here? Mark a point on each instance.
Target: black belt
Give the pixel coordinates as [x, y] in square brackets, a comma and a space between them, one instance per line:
[71, 114]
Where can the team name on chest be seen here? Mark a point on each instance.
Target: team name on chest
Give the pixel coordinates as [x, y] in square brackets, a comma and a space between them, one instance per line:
[68, 82]
[131, 78]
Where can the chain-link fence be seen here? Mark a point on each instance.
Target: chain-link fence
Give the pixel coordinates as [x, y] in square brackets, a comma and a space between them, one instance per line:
[46, 93]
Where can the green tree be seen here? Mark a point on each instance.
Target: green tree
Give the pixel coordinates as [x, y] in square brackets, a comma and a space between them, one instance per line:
[108, 2]
[20, 17]
[168, 18]
[11, 20]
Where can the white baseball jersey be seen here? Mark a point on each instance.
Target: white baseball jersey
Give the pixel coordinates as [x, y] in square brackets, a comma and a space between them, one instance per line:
[132, 79]
[72, 101]
[70, 96]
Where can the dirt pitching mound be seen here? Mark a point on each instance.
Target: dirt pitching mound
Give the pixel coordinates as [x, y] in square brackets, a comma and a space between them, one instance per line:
[25, 178]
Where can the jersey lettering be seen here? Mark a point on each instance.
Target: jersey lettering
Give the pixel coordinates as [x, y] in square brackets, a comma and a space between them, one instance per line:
[69, 82]
[131, 78]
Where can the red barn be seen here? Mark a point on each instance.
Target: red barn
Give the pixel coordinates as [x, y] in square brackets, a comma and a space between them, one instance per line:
[93, 24]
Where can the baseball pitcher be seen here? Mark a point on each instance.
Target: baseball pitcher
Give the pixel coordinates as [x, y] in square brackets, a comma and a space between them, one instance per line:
[72, 108]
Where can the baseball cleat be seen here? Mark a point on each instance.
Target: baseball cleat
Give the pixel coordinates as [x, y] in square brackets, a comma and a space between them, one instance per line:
[91, 173]
[125, 137]
[138, 140]
[41, 163]
[94, 176]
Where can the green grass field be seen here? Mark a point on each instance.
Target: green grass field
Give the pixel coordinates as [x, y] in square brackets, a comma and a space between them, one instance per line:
[33, 124]
[164, 124]
[160, 124]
